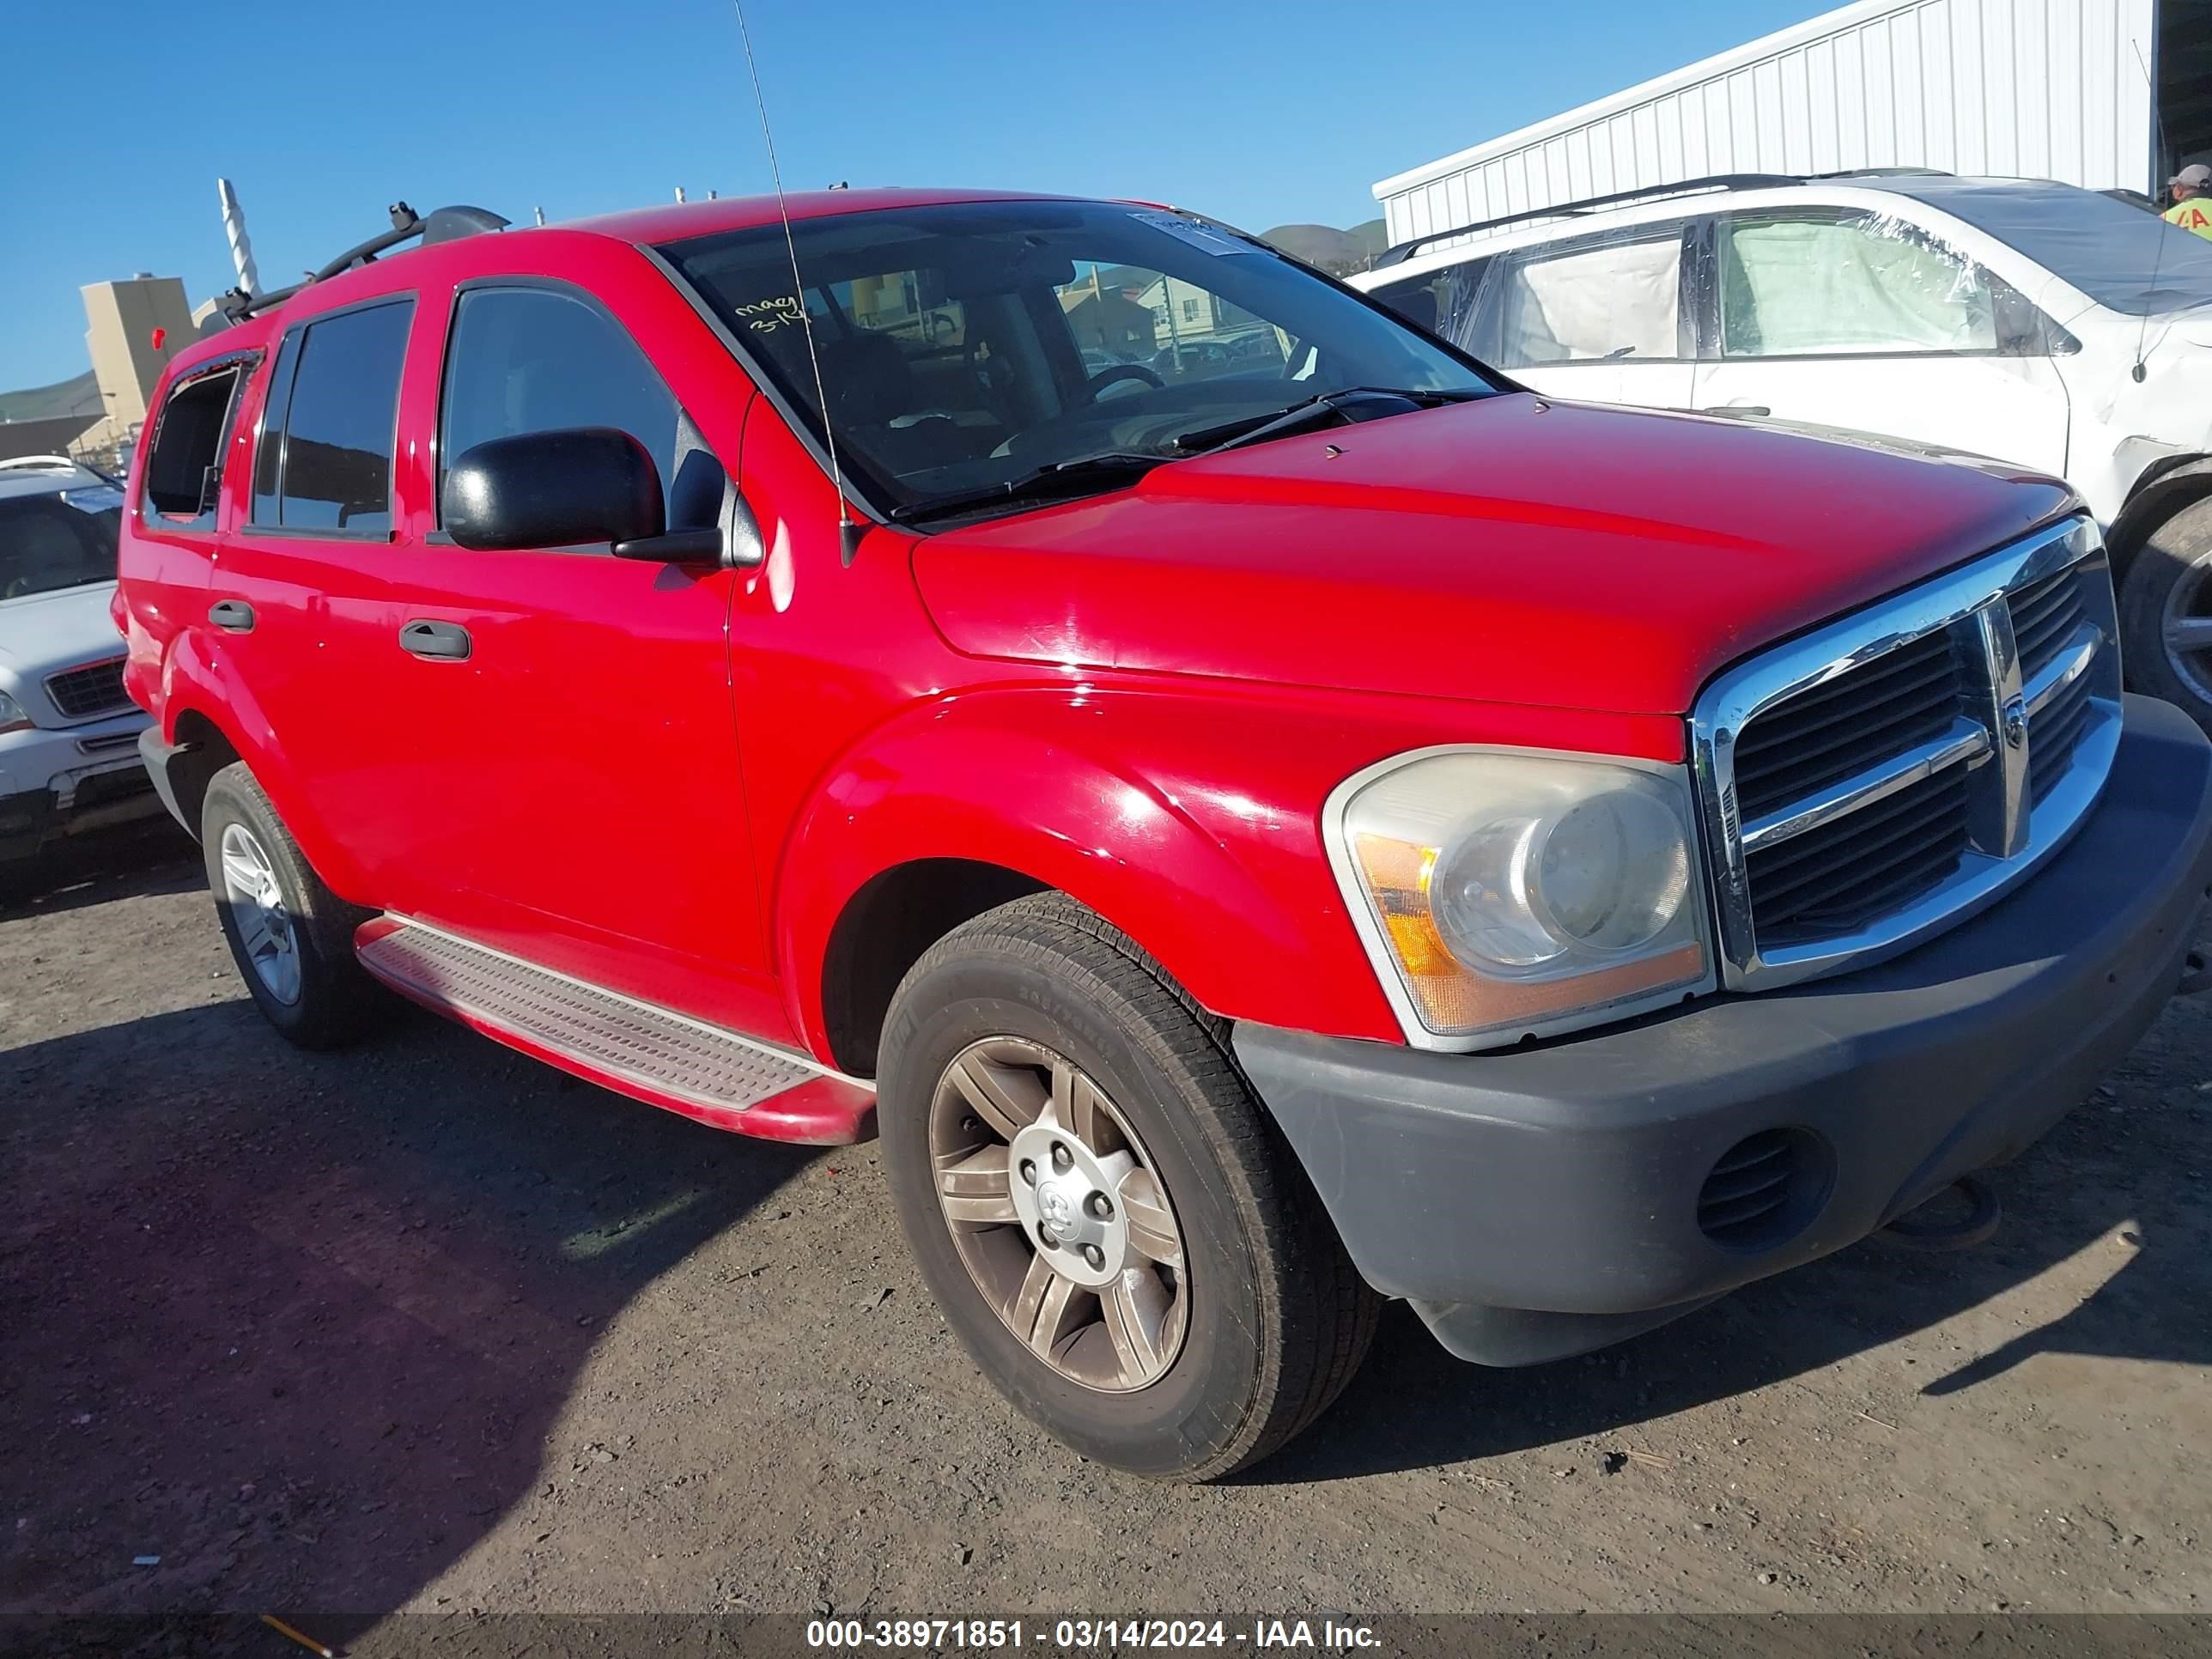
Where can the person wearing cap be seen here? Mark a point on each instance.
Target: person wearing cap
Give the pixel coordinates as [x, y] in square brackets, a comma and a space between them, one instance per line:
[2193, 199]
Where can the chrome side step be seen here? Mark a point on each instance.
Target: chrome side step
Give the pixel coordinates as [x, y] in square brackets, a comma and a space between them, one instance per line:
[653, 1054]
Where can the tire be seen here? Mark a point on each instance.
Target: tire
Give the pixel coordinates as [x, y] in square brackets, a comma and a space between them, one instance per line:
[1268, 1319]
[2170, 575]
[327, 999]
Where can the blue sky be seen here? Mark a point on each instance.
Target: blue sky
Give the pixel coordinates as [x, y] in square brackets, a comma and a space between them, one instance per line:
[119, 118]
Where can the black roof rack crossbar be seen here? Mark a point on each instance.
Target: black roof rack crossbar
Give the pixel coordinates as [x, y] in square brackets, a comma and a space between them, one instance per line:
[444, 224]
[1405, 251]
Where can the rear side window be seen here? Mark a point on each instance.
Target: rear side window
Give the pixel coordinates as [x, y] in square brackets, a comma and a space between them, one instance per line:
[1619, 298]
[325, 462]
[185, 465]
[537, 360]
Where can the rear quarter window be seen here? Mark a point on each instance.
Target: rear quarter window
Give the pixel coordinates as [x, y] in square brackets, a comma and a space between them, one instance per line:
[184, 465]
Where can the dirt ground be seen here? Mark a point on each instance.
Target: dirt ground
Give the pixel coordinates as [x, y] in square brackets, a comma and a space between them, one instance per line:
[426, 1326]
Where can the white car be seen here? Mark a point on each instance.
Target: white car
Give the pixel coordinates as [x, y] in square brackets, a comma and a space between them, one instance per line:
[2062, 329]
[68, 736]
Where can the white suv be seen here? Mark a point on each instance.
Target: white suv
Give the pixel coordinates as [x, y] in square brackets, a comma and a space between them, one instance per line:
[68, 736]
[2063, 330]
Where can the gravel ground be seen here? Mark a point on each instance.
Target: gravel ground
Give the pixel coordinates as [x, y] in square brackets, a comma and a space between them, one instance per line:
[426, 1326]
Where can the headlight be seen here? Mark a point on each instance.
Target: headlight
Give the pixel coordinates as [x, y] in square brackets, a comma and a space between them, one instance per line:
[1504, 894]
[12, 717]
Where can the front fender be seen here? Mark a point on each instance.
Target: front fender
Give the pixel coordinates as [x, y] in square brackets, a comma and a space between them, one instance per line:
[1192, 823]
[2163, 489]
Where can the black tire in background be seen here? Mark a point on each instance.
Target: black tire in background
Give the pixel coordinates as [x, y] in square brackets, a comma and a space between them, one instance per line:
[2170, 577]
[336, 1001]
[1278, 1319]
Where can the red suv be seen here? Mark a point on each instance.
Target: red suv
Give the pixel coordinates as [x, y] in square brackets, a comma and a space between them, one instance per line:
[1256, 836]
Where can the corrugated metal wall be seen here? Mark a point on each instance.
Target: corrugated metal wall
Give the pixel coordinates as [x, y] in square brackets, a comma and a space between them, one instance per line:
[2034, 88]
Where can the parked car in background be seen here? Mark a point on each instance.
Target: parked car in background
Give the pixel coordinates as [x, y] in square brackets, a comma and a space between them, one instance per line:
[68, 733]
[1338, 828]
[2058, 329]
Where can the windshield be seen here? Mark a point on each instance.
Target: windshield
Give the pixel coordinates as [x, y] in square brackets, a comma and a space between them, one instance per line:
[965, 348]
[65, 539]
[2125, 259]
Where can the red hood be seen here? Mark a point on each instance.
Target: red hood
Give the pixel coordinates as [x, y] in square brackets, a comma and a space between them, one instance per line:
[1512, 551]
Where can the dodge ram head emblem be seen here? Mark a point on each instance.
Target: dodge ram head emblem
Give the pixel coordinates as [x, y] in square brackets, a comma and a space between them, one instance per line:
[1058, 1214]
[2015, 724]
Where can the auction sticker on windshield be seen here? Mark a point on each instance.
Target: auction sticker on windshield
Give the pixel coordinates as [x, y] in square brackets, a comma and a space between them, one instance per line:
[1202, 237]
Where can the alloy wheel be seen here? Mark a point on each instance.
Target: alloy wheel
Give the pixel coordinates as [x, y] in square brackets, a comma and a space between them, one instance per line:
[264, 926]
[1059, 1213]
[2185, 628]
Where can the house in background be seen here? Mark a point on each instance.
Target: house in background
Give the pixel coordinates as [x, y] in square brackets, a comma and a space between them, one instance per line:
[1109, 314]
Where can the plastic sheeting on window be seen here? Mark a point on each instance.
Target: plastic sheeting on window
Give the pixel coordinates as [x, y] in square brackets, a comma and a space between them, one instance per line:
[1793, 286]
[2120, 256]
[1616, 300]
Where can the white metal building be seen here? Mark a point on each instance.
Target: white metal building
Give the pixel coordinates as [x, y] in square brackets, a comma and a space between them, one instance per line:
[2103, 94]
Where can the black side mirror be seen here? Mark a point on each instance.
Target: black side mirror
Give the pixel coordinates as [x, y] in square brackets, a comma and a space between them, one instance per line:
[579, 485]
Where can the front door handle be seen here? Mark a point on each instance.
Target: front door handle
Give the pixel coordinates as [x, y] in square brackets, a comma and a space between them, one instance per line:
[441, 641]
[231, 615]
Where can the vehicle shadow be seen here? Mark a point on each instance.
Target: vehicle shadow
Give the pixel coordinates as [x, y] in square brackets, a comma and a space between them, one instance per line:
[154, 856]
[303, 1326]
[2133, 1157]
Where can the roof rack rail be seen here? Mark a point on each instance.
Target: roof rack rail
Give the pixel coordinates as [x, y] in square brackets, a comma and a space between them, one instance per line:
[1886, 172]
[1404, 251]
[1719, 181]
[444, 224]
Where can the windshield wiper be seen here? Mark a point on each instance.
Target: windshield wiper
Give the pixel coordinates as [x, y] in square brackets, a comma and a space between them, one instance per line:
[1070, 477]
[1322, 409]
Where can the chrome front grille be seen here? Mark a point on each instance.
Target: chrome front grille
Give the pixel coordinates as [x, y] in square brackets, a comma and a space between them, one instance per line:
[1871, 783]
[1835, 731]
[86, 693]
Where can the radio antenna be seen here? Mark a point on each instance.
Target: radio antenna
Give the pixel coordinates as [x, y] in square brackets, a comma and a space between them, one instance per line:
[848, 532]
[2158, 250]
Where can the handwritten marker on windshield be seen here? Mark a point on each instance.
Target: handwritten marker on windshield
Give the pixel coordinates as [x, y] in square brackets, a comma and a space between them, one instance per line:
[307, 1642]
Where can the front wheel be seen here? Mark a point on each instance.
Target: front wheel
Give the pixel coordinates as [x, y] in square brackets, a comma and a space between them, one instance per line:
[1110, 1220]
[2166, 612]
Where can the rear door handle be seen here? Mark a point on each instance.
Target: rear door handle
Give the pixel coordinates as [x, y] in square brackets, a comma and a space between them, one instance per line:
[441, 642]
[231, 615]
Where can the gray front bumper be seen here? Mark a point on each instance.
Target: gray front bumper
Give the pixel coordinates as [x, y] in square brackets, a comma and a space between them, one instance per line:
[1545, 1200]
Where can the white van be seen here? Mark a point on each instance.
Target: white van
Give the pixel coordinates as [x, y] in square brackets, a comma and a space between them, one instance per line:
[2061, 329]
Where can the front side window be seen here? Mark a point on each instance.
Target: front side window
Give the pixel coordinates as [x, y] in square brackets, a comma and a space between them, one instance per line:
[969, 347]
[325, 462]
[1616, 299]
[539, 360]
[1853, 284]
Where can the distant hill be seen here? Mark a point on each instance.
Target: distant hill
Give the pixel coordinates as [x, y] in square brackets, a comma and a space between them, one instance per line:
[80, 396]
[1340, 253]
